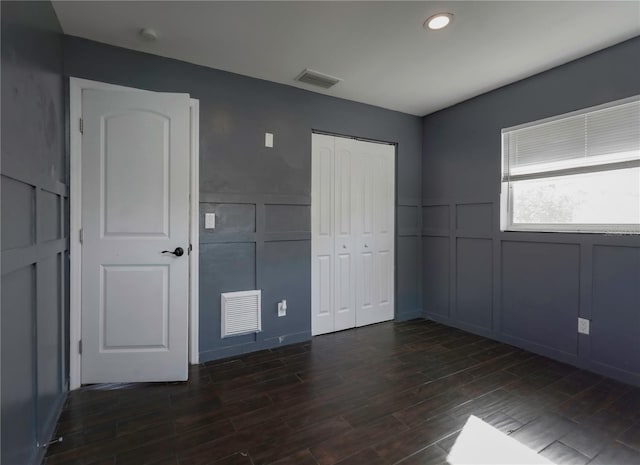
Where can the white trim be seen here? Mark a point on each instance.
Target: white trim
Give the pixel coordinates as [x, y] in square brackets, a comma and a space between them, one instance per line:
[612, 229]
[75, 249]
[76, 86]
[194, 234]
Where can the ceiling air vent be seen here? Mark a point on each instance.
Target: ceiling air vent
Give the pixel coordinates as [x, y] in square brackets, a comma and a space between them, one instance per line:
[314, 78]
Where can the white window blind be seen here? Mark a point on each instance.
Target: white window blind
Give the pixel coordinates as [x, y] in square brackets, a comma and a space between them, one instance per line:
[572, 144]
[575, 172]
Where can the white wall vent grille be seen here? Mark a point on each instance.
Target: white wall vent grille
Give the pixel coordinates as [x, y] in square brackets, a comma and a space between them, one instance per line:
[241, 312]
[314, 78]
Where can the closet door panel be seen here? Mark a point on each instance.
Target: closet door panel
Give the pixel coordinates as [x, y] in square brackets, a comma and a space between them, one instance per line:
[322, 232]
[364, 221]
[366, 169]
[345, 301]
[385, 232]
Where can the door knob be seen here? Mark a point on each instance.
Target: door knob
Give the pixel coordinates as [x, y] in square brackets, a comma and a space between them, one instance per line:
[344, 246]
[179, 252]
[366, 246]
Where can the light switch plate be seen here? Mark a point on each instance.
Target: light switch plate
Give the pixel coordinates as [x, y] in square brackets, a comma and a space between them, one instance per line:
[209, 221]
[268, 139]
[583, 326]
[282, 308]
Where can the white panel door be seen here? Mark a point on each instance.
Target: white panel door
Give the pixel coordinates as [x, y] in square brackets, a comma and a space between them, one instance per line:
[363, 214]
[384, 231]
[375, 220]
[352, 223]
[344, 190]
[135, 205]
[322, 231]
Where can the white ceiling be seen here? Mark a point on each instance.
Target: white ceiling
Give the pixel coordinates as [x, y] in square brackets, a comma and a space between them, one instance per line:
[380, 49]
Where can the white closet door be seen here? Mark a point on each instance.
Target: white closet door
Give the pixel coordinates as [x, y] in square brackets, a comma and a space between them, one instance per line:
[384, 231]
[322, 230]
[375, 233]
[345, 286]
[352, 223]
[363, 212]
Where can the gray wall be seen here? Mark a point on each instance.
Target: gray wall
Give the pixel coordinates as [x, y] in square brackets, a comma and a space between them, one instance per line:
[34, 243]
[528, 289]
[262, 196]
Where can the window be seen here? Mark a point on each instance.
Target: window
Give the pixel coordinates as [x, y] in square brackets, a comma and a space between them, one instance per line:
[578, 172]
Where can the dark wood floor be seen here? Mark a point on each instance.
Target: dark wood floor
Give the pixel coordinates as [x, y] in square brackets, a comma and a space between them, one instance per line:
[384, 394]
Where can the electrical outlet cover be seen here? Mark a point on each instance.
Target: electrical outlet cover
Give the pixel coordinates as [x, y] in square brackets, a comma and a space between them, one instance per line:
[583, 326]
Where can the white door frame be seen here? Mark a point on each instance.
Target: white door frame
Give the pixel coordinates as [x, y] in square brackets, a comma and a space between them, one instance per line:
[76, 86]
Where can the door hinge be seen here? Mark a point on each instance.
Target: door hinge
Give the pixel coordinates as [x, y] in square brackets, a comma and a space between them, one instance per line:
[81, 235]
[80, 346]
[81, 126]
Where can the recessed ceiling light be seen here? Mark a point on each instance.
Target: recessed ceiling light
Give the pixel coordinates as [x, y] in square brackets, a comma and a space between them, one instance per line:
[148, 34]
[438, 21]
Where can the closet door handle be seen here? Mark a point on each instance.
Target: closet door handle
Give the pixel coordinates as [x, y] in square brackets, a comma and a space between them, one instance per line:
[344, 246]
[366, 246]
